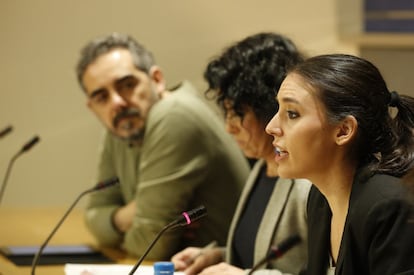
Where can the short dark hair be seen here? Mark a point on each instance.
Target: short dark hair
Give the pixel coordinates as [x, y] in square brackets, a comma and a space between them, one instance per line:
[143, 59]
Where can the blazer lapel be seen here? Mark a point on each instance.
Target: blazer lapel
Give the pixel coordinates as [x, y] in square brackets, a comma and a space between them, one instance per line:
[272, 217]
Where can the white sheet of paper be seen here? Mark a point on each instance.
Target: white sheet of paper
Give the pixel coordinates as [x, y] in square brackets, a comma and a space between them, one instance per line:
[108, 269]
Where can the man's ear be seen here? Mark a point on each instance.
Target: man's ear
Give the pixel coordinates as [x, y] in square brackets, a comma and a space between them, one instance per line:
[157, 77]
[346, 130]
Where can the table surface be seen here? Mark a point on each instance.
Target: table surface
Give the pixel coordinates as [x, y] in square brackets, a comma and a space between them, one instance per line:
[32, 225]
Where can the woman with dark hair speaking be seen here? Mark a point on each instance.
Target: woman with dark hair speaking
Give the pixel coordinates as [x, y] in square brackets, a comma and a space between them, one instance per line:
[334, 127]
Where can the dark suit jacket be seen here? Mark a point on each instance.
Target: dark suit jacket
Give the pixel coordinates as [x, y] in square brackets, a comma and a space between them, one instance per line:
[285, 215]
[379, 230]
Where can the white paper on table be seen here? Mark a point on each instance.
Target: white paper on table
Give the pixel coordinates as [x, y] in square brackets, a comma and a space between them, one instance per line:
[108, 269]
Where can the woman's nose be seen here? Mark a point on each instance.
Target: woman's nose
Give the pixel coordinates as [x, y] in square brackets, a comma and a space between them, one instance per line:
[231, 128]
[231, 124]
[273, 128]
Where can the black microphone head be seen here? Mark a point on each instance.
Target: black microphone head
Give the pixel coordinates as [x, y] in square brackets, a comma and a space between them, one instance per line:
[6, 131]
[190, 216]
[284, 246]
[106, 183]
[30, 144]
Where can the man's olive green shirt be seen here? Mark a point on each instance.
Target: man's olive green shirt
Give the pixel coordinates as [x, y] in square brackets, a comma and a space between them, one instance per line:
[187, 159]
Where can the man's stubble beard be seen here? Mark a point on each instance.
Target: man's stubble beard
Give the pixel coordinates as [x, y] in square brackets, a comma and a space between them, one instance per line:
[129, 120]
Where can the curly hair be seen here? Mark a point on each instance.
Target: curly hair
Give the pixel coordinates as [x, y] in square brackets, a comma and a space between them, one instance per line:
[249, 73]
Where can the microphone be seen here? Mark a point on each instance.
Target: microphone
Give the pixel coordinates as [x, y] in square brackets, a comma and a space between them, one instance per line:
[29, 144]
[97, 187]
[26, 147]
[186, 218]
[5, 131]
[278, 251]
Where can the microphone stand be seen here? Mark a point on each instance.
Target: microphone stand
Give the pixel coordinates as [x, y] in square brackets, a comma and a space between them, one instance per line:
[6, 177]
[185, 219]
[278, 251]
[25, 148]
[151, 245]
[99, 186]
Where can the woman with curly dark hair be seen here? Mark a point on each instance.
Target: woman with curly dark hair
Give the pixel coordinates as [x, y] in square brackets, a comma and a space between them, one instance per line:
[244, 80]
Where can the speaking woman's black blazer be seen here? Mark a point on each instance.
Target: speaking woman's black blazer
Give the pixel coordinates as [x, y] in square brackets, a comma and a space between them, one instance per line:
[379, 230]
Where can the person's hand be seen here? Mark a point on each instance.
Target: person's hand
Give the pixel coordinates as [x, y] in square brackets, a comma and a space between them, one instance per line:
[124, 215]
[222, 269]
[183, 259]
[192, 260]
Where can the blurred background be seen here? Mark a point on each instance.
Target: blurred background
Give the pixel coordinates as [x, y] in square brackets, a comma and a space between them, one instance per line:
[40, 43]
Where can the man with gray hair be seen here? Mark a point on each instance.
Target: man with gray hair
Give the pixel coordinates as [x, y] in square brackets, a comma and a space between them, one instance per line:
[169, 150]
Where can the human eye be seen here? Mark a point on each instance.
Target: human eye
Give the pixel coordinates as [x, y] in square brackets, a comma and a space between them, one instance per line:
[100, 98]
[292, 114]
[127, 85]
[287, 111]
